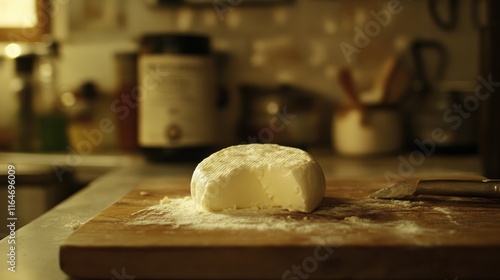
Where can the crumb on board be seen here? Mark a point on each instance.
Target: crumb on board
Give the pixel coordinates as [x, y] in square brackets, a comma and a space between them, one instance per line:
[403, 203]
[143, 193]
[165, 200]
[408, 227]
[74, 224]
[356, 220]
[444, 210]
[288, 217]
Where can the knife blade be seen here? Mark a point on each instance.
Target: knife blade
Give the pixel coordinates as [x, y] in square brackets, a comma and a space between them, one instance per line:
[486, 188]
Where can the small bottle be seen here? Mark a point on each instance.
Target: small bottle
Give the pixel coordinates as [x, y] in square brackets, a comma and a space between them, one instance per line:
[26, 128]
[51, 120]
[177, 104]
[125, 106]
[84, 135]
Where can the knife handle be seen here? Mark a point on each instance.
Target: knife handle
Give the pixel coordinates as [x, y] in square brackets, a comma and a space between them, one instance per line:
[471, 188]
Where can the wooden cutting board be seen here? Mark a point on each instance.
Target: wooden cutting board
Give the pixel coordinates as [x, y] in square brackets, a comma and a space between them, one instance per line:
[348, 236]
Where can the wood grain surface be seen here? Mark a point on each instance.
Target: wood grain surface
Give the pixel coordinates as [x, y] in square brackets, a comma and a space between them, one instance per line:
[354, 237]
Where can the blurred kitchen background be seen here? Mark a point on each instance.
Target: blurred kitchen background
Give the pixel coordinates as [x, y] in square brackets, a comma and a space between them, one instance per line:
[350, 78]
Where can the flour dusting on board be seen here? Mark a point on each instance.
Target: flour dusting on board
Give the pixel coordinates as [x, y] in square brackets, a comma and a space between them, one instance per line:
[447, 212]
[182, 212]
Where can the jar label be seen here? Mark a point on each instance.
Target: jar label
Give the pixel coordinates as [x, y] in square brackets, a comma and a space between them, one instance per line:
[177, 106]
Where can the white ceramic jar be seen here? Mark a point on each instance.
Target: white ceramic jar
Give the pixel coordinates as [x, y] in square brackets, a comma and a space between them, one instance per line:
[373, 131]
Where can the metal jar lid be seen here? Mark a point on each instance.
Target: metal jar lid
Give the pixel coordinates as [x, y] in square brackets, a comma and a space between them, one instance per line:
[175, 44]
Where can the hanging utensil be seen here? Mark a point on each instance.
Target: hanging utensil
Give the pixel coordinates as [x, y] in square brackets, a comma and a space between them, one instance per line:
[452, 18]
[420, 49]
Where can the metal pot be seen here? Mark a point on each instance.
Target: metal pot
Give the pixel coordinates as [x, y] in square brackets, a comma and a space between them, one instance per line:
[282, 115]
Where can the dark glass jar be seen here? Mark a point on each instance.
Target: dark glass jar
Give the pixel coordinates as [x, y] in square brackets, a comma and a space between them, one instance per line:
[177, 104]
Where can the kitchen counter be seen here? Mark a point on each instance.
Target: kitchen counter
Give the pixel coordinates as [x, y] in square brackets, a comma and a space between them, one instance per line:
[38, 242]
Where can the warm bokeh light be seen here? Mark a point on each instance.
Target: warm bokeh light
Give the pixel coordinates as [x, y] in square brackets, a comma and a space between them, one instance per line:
[272, 108]
[68, 99]
[13, 50]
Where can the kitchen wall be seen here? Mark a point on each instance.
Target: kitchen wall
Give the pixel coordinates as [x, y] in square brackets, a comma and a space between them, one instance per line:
[297, 43]
[302, 43]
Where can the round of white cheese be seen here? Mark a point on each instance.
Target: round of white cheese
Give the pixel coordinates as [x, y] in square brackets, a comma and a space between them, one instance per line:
[258, 175]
